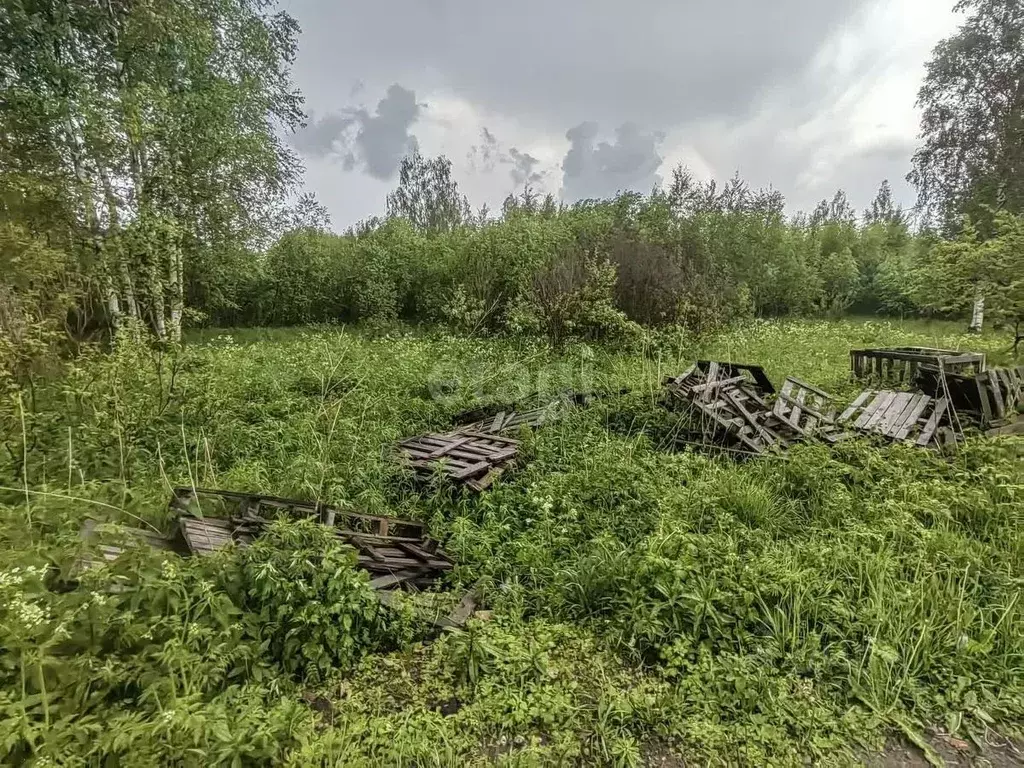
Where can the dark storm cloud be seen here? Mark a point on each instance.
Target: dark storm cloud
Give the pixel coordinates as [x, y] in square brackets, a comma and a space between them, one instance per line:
[593, 169]
[373, 142]
[658, 62]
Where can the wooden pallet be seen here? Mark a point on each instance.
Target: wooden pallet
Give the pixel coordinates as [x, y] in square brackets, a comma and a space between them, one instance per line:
[900, 364]
[512, 420]
[990, 398]
[392, 561]
[472, 459]
[730, 406]
[806, 411]
[209, 503]
[901, 417]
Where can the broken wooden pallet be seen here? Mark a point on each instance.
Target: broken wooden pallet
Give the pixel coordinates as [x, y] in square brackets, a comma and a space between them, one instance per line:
[990, 398]
[512, 420]
[900, 364]
[901, 417]
[728, 405]
[806, 411]
[393, 561]
[469, 458]
[209, 503]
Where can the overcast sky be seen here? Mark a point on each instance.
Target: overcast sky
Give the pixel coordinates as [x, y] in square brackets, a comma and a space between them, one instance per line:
[582, 98]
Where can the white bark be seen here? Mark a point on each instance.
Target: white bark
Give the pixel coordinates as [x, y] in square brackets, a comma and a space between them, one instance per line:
[177, 298]
[978, 315]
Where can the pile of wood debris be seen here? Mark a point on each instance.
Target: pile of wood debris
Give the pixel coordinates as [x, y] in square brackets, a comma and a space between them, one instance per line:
[397, 554]
[735, 407]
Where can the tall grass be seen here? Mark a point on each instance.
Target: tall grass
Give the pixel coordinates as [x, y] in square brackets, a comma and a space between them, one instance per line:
[778, 610]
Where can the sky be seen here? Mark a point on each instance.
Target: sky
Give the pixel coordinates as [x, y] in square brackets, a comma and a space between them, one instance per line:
[584, 98]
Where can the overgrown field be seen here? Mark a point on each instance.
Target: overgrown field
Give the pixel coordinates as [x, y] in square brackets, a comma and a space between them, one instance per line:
[646, 605]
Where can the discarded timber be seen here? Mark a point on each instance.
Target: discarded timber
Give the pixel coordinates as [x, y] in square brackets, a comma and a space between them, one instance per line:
[900, 364]
[397, 553]
[208, 503]
[512, 420]
[729, 406]
[469, 458]
[807, 411]
[907, 417]
[991, 398]
[753, 373]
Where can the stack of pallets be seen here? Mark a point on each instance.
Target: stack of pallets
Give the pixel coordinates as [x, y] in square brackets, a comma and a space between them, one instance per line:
[395, 552]
[990, 398]
[732, 406]
[469, 458]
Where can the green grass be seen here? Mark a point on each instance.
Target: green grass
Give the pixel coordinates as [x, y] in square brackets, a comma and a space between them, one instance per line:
[645, 603]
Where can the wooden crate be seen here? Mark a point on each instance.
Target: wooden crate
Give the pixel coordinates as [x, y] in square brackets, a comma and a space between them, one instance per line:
[901, 416]
[900, 364]
[471, 459]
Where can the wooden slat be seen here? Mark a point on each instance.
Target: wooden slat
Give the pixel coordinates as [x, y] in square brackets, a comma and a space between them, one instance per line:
[859, 402]
[868, 413]
[911, 419]
[999, 409]
[933, 422]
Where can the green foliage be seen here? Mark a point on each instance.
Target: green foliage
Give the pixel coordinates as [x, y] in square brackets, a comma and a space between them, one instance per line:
[971, 161]
[314, 611]
[958, 271]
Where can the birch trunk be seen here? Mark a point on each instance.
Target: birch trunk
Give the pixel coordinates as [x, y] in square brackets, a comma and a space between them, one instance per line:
[177, 295]
[978, 315]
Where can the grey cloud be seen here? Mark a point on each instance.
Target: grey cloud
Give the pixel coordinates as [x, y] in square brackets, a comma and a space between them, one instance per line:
[523, 168]
[383, 138]
[658, 62]
[317, 138]
[373, 142]
[484, 156]
[489, 153]
[593, 169]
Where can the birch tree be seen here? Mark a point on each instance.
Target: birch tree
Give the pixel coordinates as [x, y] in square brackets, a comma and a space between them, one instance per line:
[165, 119]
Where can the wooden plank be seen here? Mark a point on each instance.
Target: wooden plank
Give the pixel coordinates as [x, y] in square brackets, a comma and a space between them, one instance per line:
[450, 447]
[366, 548]
[892, 411]
[933, 422]
[859, 402]
[880, 400]
[797, 403]
[780, 402]
[394, 579]
[893, 425]
[809, 387]
[986, 409]
[470, 471]
[999, 409]
[911, 419]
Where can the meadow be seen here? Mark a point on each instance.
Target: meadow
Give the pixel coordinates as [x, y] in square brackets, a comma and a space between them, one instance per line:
[644, 606]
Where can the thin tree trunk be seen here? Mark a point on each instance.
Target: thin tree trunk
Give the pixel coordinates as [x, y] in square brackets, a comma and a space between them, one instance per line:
[177, 296]
[124, 273]
[978, 315]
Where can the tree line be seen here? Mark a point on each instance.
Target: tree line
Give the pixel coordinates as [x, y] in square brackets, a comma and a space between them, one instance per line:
[144, 180]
